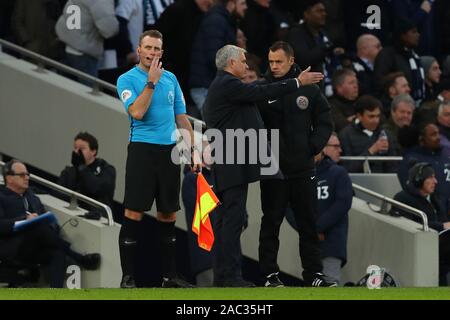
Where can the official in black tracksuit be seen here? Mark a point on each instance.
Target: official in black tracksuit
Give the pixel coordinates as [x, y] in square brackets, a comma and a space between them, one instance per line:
[304, 123]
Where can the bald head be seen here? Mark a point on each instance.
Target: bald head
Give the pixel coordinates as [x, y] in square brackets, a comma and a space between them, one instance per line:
[368, 46]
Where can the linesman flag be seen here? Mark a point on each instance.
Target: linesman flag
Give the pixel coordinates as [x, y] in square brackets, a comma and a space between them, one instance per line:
[206, 202]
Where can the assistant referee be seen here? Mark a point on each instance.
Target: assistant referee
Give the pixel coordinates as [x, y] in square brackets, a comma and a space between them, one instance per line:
[154, 102]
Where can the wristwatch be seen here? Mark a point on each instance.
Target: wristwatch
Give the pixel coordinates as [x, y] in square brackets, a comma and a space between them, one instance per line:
[150, 85]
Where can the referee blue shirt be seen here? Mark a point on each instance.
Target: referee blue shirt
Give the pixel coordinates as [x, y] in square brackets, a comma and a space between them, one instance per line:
[158, 124]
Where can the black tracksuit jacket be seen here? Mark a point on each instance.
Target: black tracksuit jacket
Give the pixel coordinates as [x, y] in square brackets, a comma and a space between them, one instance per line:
[304, 121]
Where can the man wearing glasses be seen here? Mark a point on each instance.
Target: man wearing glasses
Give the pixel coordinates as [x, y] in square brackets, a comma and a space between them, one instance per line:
[334, 197]
[39, 243]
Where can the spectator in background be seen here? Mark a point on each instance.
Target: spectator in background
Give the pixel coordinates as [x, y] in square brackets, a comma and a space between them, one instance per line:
[432, 76]
[218, 28]
[428, 150]
[402, 110]
[443, 120]
[89, 175]
[367, 48]
[153, 10]
[84, 45]
[259, 27]
[422, 14]
[312, 46]
[346, 91]
[419, 192]
[335, 195]
[253, 73]
[365, 137]
[429, 109]
[241, 42]
[130, 15]
[402, 57]
[394, 84]
[33, 25]
[39, 243]
[179, 23]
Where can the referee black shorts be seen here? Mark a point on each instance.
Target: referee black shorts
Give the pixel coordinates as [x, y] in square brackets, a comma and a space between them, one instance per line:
[151, 174]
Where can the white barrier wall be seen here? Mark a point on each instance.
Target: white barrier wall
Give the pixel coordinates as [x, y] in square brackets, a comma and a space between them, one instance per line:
[89, 236]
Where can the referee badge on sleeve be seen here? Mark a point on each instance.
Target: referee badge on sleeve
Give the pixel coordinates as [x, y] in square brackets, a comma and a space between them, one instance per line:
[302, 102]
[126, 94]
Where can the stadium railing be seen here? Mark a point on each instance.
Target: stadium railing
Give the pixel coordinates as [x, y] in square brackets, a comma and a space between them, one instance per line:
[74, 196]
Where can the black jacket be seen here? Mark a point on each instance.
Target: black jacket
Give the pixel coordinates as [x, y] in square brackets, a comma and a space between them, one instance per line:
[435, 213]
[365, 77]
[97, 181]
[355, 142]
[304, 120]
[230, 104]
[179, 24]
[12, 209]
[306, 51]
[217, 29]
[341, 109]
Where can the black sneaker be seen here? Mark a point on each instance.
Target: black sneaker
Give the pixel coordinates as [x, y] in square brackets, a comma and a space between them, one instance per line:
[91, 261]
[238, 283]
[127, 282]
[176, 283]
[273, 281]
[318, 280]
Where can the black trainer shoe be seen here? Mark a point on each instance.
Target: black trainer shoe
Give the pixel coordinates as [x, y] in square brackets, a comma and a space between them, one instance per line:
[127, 282]
[273, 281]
[318, 280]
[91, 261]
[176, 283]
[238, 283]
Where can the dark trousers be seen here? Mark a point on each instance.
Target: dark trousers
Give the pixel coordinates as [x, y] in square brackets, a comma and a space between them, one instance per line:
[42, 245]
[276, 196]
[228, 226]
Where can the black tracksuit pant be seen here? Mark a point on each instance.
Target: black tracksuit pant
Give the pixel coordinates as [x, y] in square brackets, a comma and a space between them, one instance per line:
[228, 226]
[301, 195]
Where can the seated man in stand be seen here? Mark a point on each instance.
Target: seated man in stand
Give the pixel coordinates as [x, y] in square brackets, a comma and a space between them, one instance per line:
[89, 175]
[38, 243]
[419, 193]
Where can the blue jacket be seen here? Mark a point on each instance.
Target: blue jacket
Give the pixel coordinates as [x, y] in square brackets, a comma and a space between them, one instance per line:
[217, 29]
[441, 166]
[335, 194]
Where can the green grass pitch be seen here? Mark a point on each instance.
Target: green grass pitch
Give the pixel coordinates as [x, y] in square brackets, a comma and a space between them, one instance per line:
[289, 293]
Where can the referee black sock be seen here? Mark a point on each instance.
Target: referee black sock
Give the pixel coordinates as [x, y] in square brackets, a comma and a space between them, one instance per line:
[128, 245]
[167, 241]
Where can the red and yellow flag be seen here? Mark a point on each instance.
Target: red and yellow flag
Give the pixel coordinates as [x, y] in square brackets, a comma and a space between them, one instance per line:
[206, 202]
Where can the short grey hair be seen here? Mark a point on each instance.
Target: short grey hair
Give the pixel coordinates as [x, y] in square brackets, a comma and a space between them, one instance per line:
[406, 98]
[442, 106]
[226, 53]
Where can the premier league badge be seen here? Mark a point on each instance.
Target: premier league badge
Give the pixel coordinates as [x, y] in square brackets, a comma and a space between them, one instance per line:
[302, 102]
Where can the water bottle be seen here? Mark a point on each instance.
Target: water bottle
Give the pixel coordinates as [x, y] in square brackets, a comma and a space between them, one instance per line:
[382, 135]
